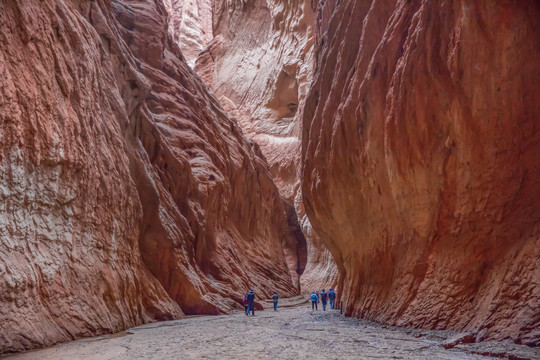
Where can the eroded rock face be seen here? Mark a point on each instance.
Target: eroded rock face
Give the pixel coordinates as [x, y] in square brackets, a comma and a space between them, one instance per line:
[320, 271]
[260, 64]
[127, 194]
[421, 142]
[190, 25]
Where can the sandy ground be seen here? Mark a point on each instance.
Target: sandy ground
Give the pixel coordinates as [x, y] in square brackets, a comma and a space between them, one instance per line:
[292, 332]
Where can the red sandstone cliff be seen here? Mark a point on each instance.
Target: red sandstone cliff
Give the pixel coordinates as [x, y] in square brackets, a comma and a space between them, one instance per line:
[126, 193]
[260, 64]
[421, 146]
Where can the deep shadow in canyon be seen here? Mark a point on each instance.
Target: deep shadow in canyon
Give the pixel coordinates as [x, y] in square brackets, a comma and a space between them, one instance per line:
[160, 158]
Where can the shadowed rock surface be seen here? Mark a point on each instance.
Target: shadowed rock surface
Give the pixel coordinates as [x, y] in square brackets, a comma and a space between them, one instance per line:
[127, 195]
[260, 64]
[420, 146]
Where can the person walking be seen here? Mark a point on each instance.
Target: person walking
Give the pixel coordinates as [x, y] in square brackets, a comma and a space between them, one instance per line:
[275, 298]
[251, 302]
[245, 303]
[332, 297]
[323, 299]
[314, 301]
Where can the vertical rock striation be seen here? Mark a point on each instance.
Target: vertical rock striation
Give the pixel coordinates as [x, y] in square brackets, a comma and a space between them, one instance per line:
[260, 63]
[420, 146]
[127, 194]
[190, 25]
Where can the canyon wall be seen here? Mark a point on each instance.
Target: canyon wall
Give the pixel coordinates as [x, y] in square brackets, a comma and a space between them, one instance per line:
[260, 64]
[420, 145]
[127, 194]
[190, 25]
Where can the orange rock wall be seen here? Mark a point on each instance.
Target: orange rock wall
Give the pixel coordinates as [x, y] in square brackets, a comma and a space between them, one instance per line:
[320, 270]
[420, 146]
[260, 65]
[127, 194]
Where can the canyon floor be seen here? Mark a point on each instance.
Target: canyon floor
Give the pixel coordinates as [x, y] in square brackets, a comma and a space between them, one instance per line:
[292, 332]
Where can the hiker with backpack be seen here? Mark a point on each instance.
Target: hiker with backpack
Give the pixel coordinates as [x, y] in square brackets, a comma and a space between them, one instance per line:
[332, 297]
[314, 301]
[323, 299]
[275, 299]
[250, 302]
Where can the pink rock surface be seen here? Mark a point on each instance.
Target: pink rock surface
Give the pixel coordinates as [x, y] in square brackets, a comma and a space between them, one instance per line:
[190, 25]
[320, 271]
[127, 194]
[260, 64]
[420, 145]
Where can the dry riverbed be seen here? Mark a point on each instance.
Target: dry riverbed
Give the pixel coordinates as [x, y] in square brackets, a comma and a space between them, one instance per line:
[292, 332]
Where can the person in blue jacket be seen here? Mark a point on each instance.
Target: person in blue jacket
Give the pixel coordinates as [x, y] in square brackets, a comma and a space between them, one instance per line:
[275, 299]
[332, 297]
[323, 299]
[314, 301]
[251, 302]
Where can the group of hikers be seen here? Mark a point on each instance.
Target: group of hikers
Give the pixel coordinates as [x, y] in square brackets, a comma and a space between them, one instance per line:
[249, 302]
[324, 297]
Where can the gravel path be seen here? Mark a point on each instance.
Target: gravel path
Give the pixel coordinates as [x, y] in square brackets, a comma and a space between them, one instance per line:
[293, 332]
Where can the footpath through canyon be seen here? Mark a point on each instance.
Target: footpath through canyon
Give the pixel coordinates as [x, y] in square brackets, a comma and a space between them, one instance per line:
[292, 332]
[159, 158]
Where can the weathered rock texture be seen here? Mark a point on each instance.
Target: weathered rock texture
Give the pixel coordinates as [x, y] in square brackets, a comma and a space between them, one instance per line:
[320, 271]
[260, 64]
[421, 142]
[190, 24]
[126, 192]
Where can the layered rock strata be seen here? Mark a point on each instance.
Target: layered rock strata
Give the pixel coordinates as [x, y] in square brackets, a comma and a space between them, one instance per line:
[190, 25]
[127, 194]
[320, 271]
[260, 63]
[420, 146]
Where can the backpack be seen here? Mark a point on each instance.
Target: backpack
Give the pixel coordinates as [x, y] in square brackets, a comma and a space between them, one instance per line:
[314, 297]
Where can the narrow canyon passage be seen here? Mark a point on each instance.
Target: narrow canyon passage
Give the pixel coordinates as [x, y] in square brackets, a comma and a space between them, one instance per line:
[159, 158]
[293, 332]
